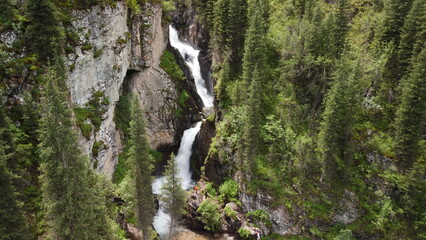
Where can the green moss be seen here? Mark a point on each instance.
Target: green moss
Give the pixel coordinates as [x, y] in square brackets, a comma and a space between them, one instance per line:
[168, 63]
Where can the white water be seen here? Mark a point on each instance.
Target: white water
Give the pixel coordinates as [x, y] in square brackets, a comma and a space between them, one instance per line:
[161, 219]
[191, 58]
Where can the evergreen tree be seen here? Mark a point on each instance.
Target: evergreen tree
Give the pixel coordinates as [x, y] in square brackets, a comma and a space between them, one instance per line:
[75, 205]
[44, 33]
[7, 14]
[340, 26]
[223, 81]
[411, 113]
[413, 35]
[255, 43]
[144, 199]
[12, 221]
[395, 15]
[336, 123]
[252, 122]
[228, 32]
[172, 194]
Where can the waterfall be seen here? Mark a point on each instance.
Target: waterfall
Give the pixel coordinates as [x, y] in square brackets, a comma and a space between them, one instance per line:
[191, 58]
[161, 219]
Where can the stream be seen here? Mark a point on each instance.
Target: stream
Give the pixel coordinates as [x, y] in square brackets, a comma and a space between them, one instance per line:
[161, 219]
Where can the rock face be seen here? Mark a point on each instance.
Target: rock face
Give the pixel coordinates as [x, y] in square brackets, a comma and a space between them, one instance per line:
[111, 53]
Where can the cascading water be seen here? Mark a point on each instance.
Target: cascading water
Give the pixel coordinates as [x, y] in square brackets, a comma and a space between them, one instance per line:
[191, 58]
[161, 219]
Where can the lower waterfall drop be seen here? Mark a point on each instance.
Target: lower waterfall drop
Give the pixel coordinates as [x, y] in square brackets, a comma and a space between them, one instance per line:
[161, 219]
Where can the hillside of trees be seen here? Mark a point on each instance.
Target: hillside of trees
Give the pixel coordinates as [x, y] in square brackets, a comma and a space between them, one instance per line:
[315, 101]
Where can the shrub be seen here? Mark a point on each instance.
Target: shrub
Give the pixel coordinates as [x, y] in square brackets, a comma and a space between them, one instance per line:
[228, 190]
[96, 147]
[244, 233]
[229, 212]
[209, 211]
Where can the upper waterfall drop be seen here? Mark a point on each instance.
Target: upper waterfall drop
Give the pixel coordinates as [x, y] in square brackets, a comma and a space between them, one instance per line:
[191, 58]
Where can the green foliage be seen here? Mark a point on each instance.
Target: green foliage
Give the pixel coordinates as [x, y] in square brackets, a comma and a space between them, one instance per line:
[229, 212]
[7, 14]
[168, 63]
[210, 190]
[184, 96]
[42, 18]
[260, 215]
[122, 111]
[209, 211]
[121, 168]
[12, 225]
[244, 233]
[72, 193]
[344, 234]
[229, 190]
[98, 145]
[172, 194]
[410, 114]
[142, 167]
[93, 111]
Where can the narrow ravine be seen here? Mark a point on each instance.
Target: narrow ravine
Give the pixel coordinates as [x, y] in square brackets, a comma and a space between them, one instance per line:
[161, 219]
[191, 58]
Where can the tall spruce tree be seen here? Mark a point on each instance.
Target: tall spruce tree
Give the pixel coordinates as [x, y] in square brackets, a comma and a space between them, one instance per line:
[44, 33]
[7, 14]
[142, 160]
[255, 42]
[12, 221]
[411, 113]
[252, 121]
[172, 194]
[75, 205]
[337, 119]
[229, 26]
[413, 35]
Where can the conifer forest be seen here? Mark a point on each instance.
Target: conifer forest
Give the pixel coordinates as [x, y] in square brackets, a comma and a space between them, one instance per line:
[212, 119]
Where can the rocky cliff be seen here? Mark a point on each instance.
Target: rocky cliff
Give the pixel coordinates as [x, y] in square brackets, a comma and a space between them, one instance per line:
[119, 53]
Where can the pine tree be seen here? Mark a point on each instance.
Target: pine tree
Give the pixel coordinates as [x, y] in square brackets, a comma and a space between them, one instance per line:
[413, 35]
[7, 14]
[144, 199]
[75, 205]
[12, 221]
[223, 81]
[229, 26]
[255, 43]
[340, 27]
[252, 121]
[411, 113]
[336, 123]
[44, 34]
[172, 194]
